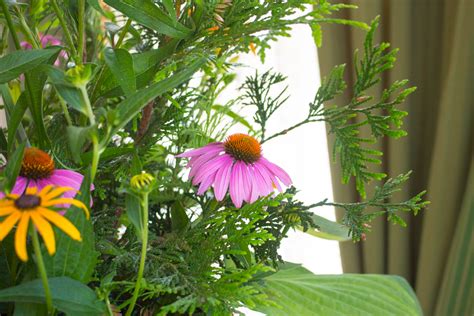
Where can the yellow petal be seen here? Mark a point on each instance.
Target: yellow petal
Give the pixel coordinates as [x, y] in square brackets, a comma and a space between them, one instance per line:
[31, 190]
[61, 222]
[55, 193]
[20, 236]
[13, 196]
[45, 190]
[74, 202]
[7, 225]
[6, 210]
[5, 203]
[46, 231]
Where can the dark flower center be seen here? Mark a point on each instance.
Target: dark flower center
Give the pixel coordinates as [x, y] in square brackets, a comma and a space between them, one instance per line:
[36, 164]
[27, 201]
[243, 147]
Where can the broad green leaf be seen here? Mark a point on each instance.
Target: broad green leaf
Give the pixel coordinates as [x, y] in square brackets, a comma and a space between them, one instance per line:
[75, 259]
[130, 107]
[297, 291]
[77, 137]
[169, 5]
[16, 63]
[65, 89]
[13, 167]
[120, 63]
[148, 14]
[328, 229]
[145, 66]
[30, 309]
[69, 296]
[134, 211]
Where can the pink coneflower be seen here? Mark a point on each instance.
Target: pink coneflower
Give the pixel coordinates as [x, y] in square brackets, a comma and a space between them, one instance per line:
[38, 170]
[48, 40]
[238, 165]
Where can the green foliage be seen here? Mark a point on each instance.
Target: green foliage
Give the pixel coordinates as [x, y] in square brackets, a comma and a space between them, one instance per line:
[69, 296]
[149, 87]
[298, 290]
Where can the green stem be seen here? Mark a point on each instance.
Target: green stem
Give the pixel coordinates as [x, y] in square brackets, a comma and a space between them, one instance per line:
[94, 139]
[65, 29]
[11, 27]
[143, 254]
[27, 31]
[81, 30]
[42, 270]
[123, 33]
[65, 110]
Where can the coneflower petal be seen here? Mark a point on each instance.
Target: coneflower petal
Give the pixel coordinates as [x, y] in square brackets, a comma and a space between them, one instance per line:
[277, 171]
[223, 178]
[202, 150]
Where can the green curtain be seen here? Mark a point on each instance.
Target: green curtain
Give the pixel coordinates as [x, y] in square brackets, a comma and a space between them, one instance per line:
[435, 253]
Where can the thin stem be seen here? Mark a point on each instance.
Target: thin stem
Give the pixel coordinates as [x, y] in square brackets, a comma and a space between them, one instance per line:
[81, 30]
[65, 29]
[285, 131]
[11, 27]
[26, 30]
[123, 33]
[65, 110]
[143, 254]
[42, 271]
[95, 156]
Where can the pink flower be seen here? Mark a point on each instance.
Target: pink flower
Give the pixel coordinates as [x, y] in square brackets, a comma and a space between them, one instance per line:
[236, 165]
[38, 170]
[48, 40]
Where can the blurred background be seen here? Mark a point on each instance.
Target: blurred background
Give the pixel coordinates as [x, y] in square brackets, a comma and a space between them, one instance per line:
[435, 252]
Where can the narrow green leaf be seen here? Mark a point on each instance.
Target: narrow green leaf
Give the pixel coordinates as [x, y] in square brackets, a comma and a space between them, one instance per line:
[148, 14]
[130, 107]
[120, 63]
[297, 291]
[179, 218]
[328, 229]
[134, 211]
[15, 115]
[16, 63]
[96, 5]
[69, 296]
[75, 259]
[13, 167]
[236, 117]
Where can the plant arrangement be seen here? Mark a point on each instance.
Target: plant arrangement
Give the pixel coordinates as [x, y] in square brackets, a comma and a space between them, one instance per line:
[123, 191]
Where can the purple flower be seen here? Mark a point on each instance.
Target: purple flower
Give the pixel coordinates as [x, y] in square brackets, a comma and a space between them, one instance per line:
[236, 165]
[38, 170]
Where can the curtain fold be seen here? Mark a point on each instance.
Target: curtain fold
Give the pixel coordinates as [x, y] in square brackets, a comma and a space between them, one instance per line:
[436, 42]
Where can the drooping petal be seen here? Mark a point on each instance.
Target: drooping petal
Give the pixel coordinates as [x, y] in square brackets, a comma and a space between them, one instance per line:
[246, 184]
[265, 176]
[200, 161]
[209, 168]
[70, 174]
[223, 178]
[46, 231]
[20, 236]
[259, 182]
[7, 225]
[206, 183]
[277, 171]
[235, 186]
[61, 222]
[56, 192]
[254, 191]
[20, 185]
[202, 150]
